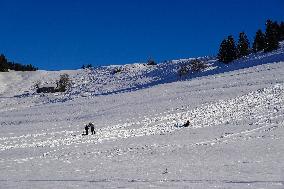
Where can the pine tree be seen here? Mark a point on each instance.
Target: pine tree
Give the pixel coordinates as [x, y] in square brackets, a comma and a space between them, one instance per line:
[243, 45]
[3, 63]
[281, 31]
[227, 51]
[259, 41]
[222, 51]
[271, 36]
[232, 51]
[276, 28]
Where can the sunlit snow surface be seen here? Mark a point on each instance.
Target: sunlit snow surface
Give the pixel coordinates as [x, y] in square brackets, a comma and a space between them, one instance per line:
[235, 138]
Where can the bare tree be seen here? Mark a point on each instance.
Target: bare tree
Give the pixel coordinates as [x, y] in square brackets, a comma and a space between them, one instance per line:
[198, 65]
[64, 83]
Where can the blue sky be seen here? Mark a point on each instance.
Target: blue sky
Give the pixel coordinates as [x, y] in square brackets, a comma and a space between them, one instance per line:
[65, 34]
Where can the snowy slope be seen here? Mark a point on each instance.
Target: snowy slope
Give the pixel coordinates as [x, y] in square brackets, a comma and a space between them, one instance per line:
[235, 138]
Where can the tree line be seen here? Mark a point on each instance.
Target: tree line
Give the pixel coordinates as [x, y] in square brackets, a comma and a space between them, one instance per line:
[267, 42]
[5, 65]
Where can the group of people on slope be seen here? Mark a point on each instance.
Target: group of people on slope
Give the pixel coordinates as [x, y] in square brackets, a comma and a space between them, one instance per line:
[92, 127]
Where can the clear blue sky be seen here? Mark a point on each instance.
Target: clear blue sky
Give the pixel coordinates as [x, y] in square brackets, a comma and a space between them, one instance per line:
[65, 34]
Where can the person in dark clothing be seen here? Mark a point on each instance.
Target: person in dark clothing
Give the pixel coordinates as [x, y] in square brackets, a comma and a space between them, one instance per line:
[91, 125]
[87, 129]
[186, 124]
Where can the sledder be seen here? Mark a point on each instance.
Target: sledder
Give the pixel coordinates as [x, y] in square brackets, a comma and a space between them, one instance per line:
[186, 124]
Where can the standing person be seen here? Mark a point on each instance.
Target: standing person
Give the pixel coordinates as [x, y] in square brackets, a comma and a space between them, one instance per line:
[91, 125]
[87, 129]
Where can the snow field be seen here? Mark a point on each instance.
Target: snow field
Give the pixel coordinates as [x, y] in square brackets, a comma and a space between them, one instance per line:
[235, 138]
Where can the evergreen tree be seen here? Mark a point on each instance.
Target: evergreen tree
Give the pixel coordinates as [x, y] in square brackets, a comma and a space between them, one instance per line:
[3, 63]
[232, 51]
[271, 36]
[243, 45]
[223, 51]
[276, 28]
[227, 52]
[259, 41]
[281, 31]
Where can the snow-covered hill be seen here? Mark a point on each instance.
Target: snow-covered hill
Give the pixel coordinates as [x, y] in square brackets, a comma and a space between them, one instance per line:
[235, 138]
